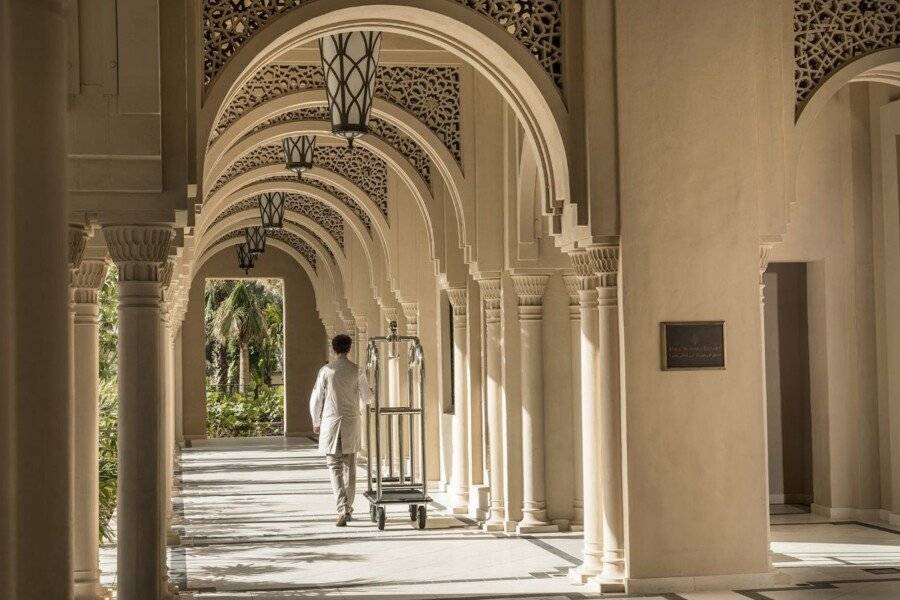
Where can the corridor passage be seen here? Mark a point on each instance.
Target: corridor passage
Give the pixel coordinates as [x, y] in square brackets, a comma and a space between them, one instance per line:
[257, 522]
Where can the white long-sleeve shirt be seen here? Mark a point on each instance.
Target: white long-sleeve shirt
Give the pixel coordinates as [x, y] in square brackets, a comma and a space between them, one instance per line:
[336, 404]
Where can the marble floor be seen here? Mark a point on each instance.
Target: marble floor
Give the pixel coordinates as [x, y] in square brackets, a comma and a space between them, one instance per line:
[257, 522]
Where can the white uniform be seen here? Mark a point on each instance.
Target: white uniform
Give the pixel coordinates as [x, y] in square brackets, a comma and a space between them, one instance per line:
[336, 404]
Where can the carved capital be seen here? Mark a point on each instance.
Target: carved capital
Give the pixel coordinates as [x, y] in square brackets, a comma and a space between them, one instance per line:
[601, 262]
[411, 312]
[138, 250]
[765, 251]
[390, 314]
[572, 287]
[490, 299]
[458, 300]
[77, 238]
[530, 289]
[87, 279]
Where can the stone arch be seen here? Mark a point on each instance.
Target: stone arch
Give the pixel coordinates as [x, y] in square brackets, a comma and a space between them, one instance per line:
[505, 62]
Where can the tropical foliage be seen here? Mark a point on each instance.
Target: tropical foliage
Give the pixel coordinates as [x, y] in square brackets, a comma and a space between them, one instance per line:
[245, 340]
[109, 402]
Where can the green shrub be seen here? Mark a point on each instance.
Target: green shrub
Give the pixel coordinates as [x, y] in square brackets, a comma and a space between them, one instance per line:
[256, 413]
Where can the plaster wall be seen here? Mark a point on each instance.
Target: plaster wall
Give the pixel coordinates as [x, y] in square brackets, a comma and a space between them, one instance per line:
[694, 456]
[304, 339]
[831, 227]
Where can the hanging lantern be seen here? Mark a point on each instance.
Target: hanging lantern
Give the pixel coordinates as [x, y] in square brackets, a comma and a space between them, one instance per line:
[350, 61]
[245, 258]
[256, 239]
[298, 153]
[271, 209]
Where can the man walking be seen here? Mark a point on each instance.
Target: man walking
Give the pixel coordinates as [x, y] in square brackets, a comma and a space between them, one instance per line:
[336, 403]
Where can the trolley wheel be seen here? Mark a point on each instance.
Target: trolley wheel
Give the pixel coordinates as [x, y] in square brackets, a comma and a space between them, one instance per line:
[412, 512]
[382, 517]
[372, 513]
[423, 517]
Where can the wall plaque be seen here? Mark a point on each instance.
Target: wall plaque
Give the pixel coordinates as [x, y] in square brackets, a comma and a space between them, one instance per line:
[690, 345]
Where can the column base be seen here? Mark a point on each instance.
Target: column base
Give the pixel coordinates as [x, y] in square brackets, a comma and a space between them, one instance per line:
[576, 526]
[459, 500]
[606, 586]
[91, 589]
[656, 585]
[544, 528]
[494, 527]
[581, 574]
[562, 524]
[479, 501]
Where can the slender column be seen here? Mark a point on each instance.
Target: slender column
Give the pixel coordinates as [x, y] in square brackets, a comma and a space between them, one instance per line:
[592, 563]
[530, 294]
[86, 283]
[764, 251]
[411, 316]
[608, 415]
[459, 477]
[166, 456]
[362, 344]
[572, 286]
[490, 298]
[138, 252]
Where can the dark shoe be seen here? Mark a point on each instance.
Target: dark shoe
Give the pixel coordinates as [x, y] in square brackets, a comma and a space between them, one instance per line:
[349, 516]
[341, 521]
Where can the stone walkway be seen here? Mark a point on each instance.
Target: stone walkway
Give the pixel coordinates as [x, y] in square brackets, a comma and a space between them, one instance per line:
[258, 522]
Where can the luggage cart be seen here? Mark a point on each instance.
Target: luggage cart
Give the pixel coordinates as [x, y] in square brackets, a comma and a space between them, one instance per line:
[397, 428]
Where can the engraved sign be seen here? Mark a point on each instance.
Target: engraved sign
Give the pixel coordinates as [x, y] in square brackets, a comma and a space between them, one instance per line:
[693, 345]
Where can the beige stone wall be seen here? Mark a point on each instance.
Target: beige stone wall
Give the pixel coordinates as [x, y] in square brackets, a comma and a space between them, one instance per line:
[304, 339]
[837, 226]
[695, 470]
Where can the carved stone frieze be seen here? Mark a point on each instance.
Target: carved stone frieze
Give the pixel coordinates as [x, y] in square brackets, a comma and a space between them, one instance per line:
[536, 24]
[411, 313]
[430, 93]
[138, 250]
[291, 239]
[346, 199]
[828, 34]
[318, 211]
[530, 294]
[361, 167]
[458, 301]
[77, 240]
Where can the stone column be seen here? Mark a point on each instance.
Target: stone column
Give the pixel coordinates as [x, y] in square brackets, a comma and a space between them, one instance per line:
[167, 437]
[138, 252]
[35, 409]
[572, 288]
[362, 345]
[764, 251]
[392, 377]
[411, 316]
[459, 476]
[86, 284]
[607, 413]
[592, 563]
[530, 294]
[490, 298]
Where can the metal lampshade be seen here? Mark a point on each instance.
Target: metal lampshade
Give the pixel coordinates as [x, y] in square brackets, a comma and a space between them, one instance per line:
[271, 209]
[299, 152]
[350, 61]
[256, 239]
[245, 258]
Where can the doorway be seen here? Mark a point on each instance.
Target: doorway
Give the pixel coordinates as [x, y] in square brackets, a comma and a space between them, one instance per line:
[788, 388]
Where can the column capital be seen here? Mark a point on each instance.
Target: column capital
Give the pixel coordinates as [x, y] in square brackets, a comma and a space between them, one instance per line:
[573, 286]
[87, 279]
[490, 299]
[411, 312]
[601, 261]
[390, 314]
[458, 298]
[77, 240]
[138, 250]
[362, 324]
[765, 251]
[530, 289]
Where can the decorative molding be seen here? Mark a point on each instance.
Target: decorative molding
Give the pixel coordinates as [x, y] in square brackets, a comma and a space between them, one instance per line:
[572, 284]
[390, 314]
[138, 250]
[429, 92]
[458, 300]
[601, 262]
[365, 170]
[229, 24]
[491, 300]
[829, 34]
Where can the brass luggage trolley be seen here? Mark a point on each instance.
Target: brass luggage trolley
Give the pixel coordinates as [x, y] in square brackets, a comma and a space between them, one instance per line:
[401, 430]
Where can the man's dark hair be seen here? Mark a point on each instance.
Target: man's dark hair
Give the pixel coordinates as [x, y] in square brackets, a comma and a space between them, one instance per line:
[341, 343]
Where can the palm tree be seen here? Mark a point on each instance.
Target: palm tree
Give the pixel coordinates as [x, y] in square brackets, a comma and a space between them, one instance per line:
[216, 292]
[240, 318]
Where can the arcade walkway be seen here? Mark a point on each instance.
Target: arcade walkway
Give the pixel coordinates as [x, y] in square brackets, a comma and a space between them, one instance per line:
[257, 522]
